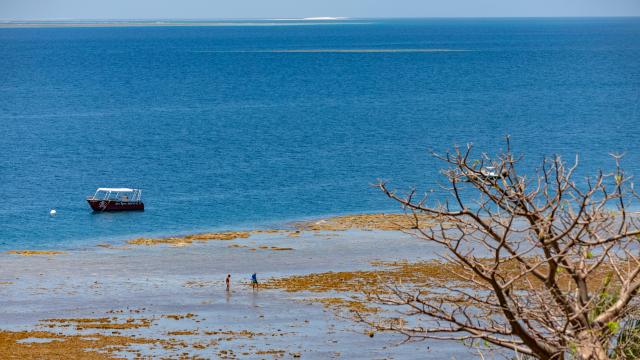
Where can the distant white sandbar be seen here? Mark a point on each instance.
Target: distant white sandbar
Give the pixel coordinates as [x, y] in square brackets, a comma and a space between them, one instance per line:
[324, 18]
[354, 51]
[319, 18]
[283, 22]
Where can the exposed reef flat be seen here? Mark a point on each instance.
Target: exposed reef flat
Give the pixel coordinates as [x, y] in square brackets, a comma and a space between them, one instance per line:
[368, 222]
[163, 301]
[189, 239]
[338, 223]
[34, 252]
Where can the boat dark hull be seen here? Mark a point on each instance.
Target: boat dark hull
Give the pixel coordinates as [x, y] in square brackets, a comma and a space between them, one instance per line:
[113, 205]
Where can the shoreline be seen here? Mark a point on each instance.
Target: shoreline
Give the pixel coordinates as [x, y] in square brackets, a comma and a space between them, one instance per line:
[168, 300]
[287, 224]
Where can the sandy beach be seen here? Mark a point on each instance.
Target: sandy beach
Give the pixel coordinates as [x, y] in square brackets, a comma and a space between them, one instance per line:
[166, 297]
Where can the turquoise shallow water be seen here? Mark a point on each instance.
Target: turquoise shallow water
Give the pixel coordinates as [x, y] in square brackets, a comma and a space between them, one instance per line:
[224, 129]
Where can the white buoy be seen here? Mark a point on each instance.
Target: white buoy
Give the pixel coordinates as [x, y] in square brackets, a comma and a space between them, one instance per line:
[53, 212]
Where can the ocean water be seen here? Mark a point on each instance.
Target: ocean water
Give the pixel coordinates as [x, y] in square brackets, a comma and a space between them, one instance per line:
[231, 127]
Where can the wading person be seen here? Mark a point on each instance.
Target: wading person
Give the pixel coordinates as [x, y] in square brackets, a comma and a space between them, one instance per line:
[228, 281]
[254, 281]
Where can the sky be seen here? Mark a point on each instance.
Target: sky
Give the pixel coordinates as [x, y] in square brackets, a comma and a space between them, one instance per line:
[268, 9]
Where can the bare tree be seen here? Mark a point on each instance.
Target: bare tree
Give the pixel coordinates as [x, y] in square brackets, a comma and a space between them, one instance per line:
[548, 267]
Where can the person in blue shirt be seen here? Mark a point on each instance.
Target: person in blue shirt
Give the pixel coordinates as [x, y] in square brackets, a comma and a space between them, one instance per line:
[254, 281]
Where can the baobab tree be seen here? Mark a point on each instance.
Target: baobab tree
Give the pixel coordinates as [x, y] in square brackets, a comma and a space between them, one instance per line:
[547, 267]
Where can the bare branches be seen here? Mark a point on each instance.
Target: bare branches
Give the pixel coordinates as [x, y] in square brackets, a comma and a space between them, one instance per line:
[539, 252]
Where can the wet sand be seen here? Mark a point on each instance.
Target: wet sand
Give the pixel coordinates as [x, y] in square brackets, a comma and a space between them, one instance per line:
[170, 301]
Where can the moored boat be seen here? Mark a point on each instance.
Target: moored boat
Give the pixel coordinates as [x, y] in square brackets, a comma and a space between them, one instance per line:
[116, 199]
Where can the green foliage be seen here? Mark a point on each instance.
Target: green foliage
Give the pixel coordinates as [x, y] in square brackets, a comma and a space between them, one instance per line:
[628, 341]
[573, 349]
[605, 298]
[613, 326]
[618, 179]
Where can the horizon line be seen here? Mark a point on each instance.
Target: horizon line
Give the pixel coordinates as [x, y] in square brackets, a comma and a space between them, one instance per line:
[318, 19]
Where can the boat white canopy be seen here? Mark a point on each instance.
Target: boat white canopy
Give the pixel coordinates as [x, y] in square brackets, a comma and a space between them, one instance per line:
[117, 194]
[117, 189]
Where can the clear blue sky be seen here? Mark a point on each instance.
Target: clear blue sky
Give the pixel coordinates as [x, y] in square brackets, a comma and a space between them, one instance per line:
[245, 9]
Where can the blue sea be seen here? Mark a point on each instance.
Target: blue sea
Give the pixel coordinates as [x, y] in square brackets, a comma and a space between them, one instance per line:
[256, 125]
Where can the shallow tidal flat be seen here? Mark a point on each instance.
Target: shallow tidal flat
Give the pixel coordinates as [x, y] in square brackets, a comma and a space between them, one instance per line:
[165, 297]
